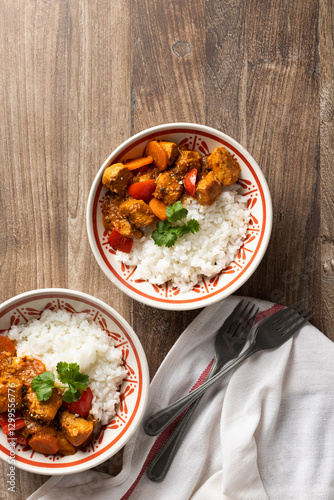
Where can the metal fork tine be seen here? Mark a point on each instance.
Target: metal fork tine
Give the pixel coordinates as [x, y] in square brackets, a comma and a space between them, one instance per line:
[301, 310]
[236, 320]
[250, 324]
[233, 314]
[298, 326]
[243, 321]
[292, 321]
[279, 315]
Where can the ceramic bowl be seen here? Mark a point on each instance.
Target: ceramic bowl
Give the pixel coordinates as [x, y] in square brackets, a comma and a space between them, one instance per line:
[134, 389]
[253, 187]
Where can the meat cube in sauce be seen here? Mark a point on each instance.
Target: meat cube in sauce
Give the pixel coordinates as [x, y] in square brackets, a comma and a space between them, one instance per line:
[116, 178]
[186, 161]
[208, 189]
[44, 410]
[96, 429]
[205, 168]
[171, 150]
[137, 211]
[226, 168]
[5, 363]
[65, 447]
[147, 175]
[31, 425]
[169, 187]
[26, 369]
[113, 219]
[10, 393]
[76, 429]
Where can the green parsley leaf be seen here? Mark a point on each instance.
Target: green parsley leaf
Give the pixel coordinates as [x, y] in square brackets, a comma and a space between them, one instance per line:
[68, 373]
[176, 212]
[166, 234]
[193, 225]
[62, 370]
[43, 385]
[69, 396]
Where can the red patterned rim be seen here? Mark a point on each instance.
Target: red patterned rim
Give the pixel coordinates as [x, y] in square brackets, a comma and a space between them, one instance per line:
[94, 306]
[219, 290]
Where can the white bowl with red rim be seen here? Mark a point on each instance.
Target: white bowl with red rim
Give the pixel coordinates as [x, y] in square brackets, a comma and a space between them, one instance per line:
[134, 389]
[252, 185]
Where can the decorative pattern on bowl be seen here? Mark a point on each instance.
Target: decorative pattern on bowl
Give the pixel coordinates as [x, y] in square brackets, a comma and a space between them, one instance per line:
[252, 186]
[111, 437]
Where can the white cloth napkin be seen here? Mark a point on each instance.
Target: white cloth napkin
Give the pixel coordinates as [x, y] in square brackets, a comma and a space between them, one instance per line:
[265, 431]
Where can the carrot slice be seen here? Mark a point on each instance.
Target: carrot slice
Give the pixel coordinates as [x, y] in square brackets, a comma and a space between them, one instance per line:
[6, 345]
[158, 207]
[44, 443]
[138, 162]
[158, 154]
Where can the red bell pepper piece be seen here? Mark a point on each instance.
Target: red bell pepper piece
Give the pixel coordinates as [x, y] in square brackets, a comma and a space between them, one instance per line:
[120, 242]
[17, 437]
[142, 190]
[190, 181]
[11, 422]
[83, 405]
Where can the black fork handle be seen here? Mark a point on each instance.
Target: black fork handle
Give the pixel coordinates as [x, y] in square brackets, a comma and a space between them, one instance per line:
[161, 463]
[160, 420]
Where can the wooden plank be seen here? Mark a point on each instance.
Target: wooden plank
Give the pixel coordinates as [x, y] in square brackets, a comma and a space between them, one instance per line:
[283, 136]
[168, 62]
[326, 31]
[66, 94]
[167, 86]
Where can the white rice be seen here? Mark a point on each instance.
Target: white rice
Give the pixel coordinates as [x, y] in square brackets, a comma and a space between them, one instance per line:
[223, 228]
[75, 338]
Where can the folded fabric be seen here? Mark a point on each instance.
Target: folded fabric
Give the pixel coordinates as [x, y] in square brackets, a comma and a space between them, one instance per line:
[264, 432]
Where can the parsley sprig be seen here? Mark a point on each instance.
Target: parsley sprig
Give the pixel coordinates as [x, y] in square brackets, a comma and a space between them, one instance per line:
[68, 373]
[166, 233]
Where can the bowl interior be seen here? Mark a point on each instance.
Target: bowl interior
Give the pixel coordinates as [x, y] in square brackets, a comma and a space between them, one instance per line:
[252, 186]
[134, 388]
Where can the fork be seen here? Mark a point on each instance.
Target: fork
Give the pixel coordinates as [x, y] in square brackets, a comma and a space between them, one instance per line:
[271, 333]
[238, 326]
[229, 341]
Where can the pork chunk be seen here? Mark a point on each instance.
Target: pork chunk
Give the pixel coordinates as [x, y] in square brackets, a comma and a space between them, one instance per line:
[113, 219]
[5, 363]
[65, 447]
[44, 410]
[188, 160]
[226, 168]
[169, 187]
[208, 189]
[76, 429]
[10, 393]
[137, 211]
[31, 425]
[171, 150]
[145, 176]
[116, 178]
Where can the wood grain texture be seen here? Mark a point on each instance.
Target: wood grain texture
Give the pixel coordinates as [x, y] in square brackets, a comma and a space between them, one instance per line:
[326, 52]
[78, 78]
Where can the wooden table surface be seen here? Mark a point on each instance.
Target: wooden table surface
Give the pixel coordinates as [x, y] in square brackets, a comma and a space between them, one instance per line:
[78, 77]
